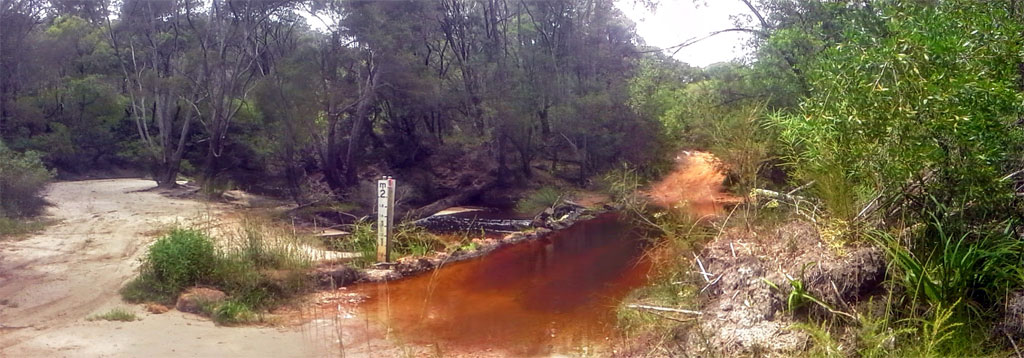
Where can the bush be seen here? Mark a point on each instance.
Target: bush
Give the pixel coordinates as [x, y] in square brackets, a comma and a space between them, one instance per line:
[182, 258]
[22, 178]
[929, 110]
[407, 240]
[16, 227]
[233, 312]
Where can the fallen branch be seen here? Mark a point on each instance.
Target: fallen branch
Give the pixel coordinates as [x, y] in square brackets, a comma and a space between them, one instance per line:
[703, 273]
[756, 192]
[802, 187]
[1015, 349]
[659, 315]
[664, 309]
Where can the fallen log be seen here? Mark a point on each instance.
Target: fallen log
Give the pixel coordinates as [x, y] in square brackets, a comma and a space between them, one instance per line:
[449, 201]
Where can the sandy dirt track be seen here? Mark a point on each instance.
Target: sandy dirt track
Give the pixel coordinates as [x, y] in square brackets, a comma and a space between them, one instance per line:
[51, 282]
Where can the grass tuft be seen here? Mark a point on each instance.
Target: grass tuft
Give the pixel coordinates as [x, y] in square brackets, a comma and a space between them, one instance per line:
[116, 314]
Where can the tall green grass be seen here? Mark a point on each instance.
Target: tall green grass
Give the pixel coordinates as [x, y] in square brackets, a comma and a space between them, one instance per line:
[408, 240]
[946, 266]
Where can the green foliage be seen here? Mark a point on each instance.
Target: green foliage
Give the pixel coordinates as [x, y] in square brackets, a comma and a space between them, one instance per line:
[22, 179]
[258, 268]
[540, 199]
[408, 240]
[174, 262]
[926, 110]
[16, 227]
[116, 314]
[950, 267]
[710, 115]
[232, 313]
[624, 185]
[798, 296]
[824, 344]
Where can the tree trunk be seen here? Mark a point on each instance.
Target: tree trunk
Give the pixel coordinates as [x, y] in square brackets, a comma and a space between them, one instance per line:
[362, 119]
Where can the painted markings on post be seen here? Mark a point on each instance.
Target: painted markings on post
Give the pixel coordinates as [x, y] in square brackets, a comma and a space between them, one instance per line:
[385, 217]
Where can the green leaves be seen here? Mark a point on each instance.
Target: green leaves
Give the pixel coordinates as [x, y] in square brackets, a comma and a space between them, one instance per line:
[929, 106]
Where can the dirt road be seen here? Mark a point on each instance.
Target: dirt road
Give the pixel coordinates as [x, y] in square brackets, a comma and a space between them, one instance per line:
[51, 282]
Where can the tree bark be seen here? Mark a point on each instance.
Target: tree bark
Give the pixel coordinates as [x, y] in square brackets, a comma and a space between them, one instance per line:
[362, 121]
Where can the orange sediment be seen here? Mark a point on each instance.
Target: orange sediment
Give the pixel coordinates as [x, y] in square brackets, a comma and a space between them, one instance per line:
[695, 186]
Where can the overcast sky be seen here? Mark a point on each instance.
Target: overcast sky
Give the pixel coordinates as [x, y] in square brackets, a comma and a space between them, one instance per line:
[676, 21]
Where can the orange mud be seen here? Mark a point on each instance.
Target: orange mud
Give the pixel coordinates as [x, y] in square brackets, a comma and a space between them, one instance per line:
[695, 186]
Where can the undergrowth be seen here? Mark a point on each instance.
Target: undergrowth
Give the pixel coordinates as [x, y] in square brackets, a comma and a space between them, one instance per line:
[258, 266]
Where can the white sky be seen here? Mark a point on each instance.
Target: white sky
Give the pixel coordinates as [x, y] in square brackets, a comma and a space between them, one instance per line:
[676, 21]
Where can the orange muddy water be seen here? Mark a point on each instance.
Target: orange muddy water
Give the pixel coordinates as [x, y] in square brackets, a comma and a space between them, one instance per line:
[550, 296]
[695, 186]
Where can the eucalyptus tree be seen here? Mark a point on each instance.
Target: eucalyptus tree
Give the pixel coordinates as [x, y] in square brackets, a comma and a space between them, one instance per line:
[229, 36]
[152, 42]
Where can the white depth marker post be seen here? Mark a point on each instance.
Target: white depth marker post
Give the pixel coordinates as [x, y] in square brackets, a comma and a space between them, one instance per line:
[385, 217]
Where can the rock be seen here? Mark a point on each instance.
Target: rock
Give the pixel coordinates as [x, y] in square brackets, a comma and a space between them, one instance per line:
[195, 298]
[380, 275]
[335, 276]
[156, 308]
[410, 265]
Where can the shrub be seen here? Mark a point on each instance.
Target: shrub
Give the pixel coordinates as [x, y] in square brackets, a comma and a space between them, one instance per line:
[408, 240]
[22, 178]
[174, 262]
[182, 258]
[15, 227]
[930, 109]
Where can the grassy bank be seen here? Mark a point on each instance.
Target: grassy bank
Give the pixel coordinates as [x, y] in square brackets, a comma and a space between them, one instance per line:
[258, 266]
